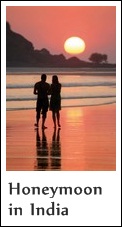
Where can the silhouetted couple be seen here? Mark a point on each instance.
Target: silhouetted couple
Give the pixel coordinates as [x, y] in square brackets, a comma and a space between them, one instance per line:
[42, 89]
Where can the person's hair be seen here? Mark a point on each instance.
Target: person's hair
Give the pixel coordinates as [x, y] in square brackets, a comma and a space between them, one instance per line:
[55, 79]
[43, 77]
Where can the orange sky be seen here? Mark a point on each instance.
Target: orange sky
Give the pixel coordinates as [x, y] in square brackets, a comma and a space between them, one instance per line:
[49, 26]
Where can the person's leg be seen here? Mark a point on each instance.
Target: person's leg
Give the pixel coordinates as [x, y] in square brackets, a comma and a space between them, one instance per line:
[44, 116]
[37, 114]
[43, 122]
[37, 117]
[44, 112]
[54, 118]
[58, 118]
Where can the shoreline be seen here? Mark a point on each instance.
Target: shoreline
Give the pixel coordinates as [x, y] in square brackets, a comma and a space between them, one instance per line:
[62, 70]
[85, 142]
[83, 106]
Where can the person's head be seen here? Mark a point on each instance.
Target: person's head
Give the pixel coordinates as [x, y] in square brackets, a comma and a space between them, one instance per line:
[54, 79]
[43, 77]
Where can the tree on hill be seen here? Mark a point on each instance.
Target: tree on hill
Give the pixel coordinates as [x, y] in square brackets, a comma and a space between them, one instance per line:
[98, 58]
[105, 57]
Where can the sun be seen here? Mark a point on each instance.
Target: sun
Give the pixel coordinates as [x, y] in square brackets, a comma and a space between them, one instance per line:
[74, 45]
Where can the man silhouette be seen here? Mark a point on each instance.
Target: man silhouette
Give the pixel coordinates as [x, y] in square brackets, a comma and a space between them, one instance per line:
[41, 89]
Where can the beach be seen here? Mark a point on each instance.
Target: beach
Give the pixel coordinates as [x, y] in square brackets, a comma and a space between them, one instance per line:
[85, 142]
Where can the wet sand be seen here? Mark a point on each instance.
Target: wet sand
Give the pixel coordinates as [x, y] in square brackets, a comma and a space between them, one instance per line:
[85, 142]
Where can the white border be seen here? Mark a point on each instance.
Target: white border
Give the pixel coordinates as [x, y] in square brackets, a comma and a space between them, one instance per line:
[85, 211]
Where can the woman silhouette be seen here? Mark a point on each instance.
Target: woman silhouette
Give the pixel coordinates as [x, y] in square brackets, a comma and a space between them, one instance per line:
[55, 100]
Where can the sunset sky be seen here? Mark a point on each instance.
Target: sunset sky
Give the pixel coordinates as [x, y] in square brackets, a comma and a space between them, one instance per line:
[49, 27]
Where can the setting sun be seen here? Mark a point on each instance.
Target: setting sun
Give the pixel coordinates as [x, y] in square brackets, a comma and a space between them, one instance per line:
[74, 45]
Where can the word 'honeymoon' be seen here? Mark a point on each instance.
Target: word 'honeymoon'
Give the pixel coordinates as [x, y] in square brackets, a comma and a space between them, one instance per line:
[52, 191]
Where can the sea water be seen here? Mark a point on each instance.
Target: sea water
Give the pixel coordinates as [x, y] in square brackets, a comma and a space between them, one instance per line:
[80, 87]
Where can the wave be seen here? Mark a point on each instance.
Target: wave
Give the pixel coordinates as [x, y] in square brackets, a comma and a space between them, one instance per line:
[78, 84]
[39, 70]
[72, 106]
[63, 97]
[94, 73]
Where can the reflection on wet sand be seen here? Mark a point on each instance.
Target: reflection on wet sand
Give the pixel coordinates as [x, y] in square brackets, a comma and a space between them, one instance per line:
[42, 151]
[48, 157]
[87, 141]
[56, 150]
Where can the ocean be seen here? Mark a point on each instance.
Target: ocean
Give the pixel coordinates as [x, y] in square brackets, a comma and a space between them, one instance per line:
[80, 87]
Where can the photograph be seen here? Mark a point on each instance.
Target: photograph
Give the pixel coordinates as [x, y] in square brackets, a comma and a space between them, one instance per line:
[60, 88]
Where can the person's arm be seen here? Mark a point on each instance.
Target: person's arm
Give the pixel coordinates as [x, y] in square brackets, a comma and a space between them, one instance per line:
[60, 87]
[35, 91]
[49, 90]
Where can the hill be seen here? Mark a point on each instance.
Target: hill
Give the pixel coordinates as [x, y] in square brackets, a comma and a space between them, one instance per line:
[21, 53]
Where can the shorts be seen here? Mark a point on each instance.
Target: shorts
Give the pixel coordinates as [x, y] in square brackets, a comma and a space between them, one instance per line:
[42, 105]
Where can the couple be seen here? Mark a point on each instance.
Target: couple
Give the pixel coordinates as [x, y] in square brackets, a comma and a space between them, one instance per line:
[42, 89]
